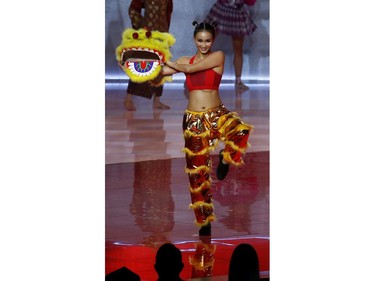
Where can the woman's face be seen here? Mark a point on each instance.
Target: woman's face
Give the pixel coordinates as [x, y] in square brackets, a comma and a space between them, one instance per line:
[204, 40]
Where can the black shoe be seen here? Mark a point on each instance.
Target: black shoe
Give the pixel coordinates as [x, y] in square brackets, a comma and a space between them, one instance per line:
[222, 169]
[205, 230]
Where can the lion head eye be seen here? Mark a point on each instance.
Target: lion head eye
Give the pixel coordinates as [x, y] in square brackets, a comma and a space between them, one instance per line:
[148, 34]
[135, 35]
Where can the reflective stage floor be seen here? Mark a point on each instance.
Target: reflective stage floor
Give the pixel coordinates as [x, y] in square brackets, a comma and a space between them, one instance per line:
[146, 192]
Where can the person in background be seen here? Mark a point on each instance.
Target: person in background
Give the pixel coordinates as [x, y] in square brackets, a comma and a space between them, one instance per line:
[156, 16]
[233, 19]
[207, 120]
[121, 274]
[244, 264]
[168, 263]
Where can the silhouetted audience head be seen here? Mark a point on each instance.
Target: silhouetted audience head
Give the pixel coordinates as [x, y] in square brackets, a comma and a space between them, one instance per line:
[168, 262]
[244, 264]
[122, 274]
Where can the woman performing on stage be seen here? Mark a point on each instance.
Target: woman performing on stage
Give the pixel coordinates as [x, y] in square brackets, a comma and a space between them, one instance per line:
[207, 120]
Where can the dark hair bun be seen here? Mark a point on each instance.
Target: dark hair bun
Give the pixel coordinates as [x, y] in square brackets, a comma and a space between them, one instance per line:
[195, 23]
[214, 24]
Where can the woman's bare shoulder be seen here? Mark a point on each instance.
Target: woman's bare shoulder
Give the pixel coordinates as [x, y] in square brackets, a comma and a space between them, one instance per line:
[218, 53]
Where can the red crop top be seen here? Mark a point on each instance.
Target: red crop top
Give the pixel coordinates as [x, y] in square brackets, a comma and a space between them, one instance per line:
[203, 80]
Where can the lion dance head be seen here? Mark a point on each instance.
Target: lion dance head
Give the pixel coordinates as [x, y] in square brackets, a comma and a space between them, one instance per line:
[142, 52]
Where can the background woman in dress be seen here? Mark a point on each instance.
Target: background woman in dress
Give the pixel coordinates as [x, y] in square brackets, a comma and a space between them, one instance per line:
[233, 19]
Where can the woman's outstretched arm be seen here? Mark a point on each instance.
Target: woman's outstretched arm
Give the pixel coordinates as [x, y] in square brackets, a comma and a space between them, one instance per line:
[215, 59]
[167, 70]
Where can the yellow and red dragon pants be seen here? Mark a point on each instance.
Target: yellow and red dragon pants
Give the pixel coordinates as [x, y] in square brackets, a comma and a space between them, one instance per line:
[202, 130]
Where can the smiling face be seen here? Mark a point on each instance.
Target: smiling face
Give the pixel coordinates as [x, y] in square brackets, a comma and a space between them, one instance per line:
[204, 40]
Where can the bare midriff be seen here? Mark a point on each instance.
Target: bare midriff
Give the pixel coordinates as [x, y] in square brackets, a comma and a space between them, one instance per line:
[202, 100]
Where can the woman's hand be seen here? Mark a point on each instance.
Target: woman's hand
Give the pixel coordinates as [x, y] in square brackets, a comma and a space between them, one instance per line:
[168, 69]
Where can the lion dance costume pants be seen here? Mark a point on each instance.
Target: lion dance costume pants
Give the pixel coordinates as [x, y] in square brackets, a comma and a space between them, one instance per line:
[202, 130]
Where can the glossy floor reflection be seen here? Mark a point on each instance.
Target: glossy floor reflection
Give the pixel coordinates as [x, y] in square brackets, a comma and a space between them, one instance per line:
[147, 194]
